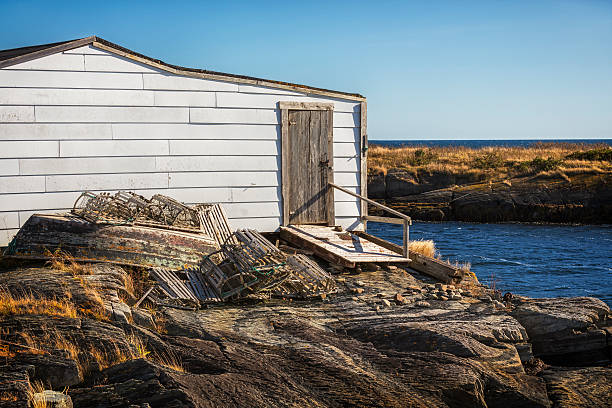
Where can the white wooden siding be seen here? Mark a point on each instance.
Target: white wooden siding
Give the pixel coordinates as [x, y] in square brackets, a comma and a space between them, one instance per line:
[55, 131]
[9, 220]
[82, 97]
[113, 63]
[86, 119]
[107, 114]
[16, 114]
[179, 83]
[68, 79]
[194, 131]
[55, 62]
[9, 167]
[87, 50]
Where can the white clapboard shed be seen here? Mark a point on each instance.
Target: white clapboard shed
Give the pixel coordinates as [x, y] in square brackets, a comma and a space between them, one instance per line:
[91, 115]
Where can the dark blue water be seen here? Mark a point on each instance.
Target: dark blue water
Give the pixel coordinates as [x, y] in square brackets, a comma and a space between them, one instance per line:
[530, 260]
[482, 143]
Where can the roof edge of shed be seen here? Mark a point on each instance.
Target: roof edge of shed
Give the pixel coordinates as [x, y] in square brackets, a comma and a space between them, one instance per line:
[24, 54]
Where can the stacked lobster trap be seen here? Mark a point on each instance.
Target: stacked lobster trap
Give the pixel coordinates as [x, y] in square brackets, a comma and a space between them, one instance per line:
[245, 262]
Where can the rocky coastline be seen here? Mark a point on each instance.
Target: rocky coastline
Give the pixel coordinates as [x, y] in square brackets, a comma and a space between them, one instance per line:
[584, 198]
[390, 338]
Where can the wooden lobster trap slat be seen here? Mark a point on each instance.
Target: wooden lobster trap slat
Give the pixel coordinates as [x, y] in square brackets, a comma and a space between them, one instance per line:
[307, 279]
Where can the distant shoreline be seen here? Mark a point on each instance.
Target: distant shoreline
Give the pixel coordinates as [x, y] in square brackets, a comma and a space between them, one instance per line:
[526, 181]
[476, 143]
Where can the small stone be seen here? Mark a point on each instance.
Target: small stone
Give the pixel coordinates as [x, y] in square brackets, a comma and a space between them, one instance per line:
[486, 299]
[431, 286]
[460, 291]
[451, 287]
[340, 280]
[380, 295]
[413, 288]
[355, 299]
[432, 296]
[423, 291]
[386, 303]
[499, 304]
[358, 291]
[51, 399]
[466, 293]
[392, 268]
[422, 303]
[443, 298]
[372, 267]
[456, 297]
[399, 299]
[359, 283]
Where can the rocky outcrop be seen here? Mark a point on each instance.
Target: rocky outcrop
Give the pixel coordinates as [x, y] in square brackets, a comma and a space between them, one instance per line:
[583, 198]
[383, 341]
[579, 387]
[566, 331]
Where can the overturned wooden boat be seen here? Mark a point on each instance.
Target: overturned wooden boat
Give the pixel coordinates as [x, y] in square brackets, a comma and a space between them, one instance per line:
[136, 245]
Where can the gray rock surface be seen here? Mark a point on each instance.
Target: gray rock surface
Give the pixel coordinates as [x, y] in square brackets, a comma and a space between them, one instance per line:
[333, 353]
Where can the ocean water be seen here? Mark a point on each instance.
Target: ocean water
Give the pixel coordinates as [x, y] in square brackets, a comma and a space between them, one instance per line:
[482, 143]
[526, 259]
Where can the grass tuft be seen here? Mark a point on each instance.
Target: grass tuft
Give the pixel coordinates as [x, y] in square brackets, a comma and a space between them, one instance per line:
[423, 247]
[35, 396]
[63, 261]
[170, 360]
[26, 304]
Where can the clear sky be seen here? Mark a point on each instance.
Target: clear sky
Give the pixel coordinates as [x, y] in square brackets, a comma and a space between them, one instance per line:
[430, 69]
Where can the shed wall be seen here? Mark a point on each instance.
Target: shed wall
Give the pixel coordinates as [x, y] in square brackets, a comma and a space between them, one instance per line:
[87, 119]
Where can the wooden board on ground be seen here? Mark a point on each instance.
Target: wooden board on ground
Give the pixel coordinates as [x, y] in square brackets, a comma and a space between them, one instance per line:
[344, 248]
[429, 266]
[42, 235]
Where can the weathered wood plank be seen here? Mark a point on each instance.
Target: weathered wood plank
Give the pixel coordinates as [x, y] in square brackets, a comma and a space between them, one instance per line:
[342, 248]
[305, 105]
[424, 264]
[363, 148]
[285, 174]
[387, 220]
[328, 127]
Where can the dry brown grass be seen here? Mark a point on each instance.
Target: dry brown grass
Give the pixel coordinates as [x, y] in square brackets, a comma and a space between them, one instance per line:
[486, 162]
[88, 357]
[26, 304]
[139, 346]
[8, 397]
[63, 261]
[423, 247]
[37, 401]
[169, 360]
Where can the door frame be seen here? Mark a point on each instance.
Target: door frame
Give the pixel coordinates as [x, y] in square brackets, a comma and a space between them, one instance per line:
[285, 107]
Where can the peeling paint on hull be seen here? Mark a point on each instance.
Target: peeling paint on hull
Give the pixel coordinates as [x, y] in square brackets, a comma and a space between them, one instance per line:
[120, 244]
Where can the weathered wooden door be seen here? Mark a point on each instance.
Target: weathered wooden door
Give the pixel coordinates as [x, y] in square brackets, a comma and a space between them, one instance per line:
[308, 166]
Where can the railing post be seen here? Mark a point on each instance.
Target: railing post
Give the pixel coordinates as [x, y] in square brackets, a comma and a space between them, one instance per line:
[406, 236]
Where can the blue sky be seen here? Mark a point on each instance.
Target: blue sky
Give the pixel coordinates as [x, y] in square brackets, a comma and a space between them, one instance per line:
[430, 69]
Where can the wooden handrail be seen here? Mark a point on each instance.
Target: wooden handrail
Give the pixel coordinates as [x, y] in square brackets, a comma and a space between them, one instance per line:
[374, 203]
[405, 220]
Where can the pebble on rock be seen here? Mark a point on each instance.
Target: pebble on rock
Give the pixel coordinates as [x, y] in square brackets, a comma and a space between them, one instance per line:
[386, 303]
